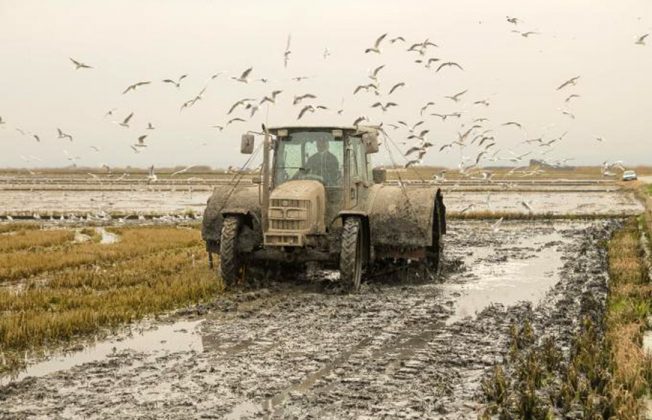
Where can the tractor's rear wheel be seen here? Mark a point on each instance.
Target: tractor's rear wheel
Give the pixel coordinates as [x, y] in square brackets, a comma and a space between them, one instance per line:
[230, 263]
[352, 253]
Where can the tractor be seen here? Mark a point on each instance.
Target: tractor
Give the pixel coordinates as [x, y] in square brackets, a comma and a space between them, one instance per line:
[317, 200]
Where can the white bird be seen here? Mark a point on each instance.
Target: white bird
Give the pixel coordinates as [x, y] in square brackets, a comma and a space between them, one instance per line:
[396, 86]
[125, 122]
[150, 126]
[151, 177]
[425, 107]
[526, 205]
[135, 86]
[641, 39]
[384, 107]
[456, 97]
[467, 208]
[186, 169]
[141, 141]
[287, 52]
[374, 74]
[571, 81]
[244, 77]
[62, 135]
[496, 226]
[376, 47]
[359, 120]
[176, 83]
[233, 120]
[366, 88]
[271, 98]
[449, 64]
[79, 64]
[298, 98]
[571, 97]
[242, 102]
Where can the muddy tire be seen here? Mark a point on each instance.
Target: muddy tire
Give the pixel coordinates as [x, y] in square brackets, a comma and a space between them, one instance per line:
[230, 264]
[352, 253]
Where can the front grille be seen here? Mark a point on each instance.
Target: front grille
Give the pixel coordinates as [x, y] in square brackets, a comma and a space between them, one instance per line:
[289, 214]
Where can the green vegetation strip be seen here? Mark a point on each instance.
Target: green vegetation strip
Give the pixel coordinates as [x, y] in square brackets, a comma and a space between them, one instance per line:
[607, 375]
[143, 277]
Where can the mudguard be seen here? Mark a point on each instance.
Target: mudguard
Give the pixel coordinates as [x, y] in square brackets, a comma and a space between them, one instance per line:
[225, 200]
[402, 217]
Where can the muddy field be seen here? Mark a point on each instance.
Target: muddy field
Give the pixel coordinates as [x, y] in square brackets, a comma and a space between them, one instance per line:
[303, 349]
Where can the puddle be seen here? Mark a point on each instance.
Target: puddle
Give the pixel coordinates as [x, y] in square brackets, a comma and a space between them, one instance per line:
[523, 272]
[180, 336]
[107, 237]
[246, 409]
[647, 342]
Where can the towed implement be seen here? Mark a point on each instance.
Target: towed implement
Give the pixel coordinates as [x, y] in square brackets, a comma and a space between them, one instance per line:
[319, 200]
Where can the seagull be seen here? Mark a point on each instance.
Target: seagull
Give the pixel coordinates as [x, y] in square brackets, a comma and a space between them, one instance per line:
[241, 102]
[309, 108]
[514, 123]
[641, 39]
[600, 139]
[298, 98]
[526, 205]
[398, 38]
[192, 101]
[135, 86]
[287, 52]
[396, 86]
[449, 64]
[141, 141]
[484, 102]
[467, 208]
[2, 121]
[423, 108]
[79, 64]
[365, 88]
[359, 120]
[456, 97]
[326, 53]
[376, 47]
[150, 126]
[218, 127]
[420, 47]
[62, 135]
[36, 137]
[571, 81]
[151, 177]
[300, 78]
[496, 226]
[184, 170]
[513, 20]
[233, 120]
[110, 112]
[341, 110]
[571, 97]
[445, 146]
[431, 60]
[244, 77]
[178, 82]
[414, 126]
[384, 107]
[526, 34]
[413, 163]
[271, 98]
[568, 113]
[125, 122]
[374, 74]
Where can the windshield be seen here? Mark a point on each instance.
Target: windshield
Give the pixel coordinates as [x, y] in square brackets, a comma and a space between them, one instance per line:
[309, 155]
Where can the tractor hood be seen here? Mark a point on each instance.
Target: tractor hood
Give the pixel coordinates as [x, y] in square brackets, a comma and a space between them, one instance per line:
[298, 190]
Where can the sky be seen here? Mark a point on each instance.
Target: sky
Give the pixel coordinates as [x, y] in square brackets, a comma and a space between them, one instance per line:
[130, 41]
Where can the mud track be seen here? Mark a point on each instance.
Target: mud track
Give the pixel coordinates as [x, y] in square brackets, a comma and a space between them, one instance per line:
[305, 350]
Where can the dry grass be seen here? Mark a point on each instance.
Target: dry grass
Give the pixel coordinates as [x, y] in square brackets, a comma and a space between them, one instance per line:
[151, 269]
[18, 264]
[31, 239]
[13, 227]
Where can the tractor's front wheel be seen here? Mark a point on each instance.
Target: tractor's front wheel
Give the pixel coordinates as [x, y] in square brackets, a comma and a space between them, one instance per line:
[230, 263]
[352, 253]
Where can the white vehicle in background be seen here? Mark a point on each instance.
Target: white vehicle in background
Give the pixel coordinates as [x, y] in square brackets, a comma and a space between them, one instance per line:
[629, 176]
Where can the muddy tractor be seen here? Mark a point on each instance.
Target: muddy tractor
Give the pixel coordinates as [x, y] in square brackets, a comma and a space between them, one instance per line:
[317, 200]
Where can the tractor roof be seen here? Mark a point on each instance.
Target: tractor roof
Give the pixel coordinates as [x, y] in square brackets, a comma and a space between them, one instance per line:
[345, 128]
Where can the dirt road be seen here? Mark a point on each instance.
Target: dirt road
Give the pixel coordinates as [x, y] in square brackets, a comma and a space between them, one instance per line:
[303, 349]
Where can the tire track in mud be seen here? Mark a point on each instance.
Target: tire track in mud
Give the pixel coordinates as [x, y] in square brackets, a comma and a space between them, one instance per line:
[295, 350]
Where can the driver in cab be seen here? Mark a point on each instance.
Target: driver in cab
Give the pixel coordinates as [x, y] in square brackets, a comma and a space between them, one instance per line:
[324, 163]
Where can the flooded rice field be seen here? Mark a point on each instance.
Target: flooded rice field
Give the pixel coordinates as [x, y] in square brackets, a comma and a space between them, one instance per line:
[302, 349]
[582, 198]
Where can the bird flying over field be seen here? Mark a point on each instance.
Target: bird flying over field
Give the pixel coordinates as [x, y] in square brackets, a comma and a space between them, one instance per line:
[641, 39]
[571, 81]
[79, 64]
[271, 98]
[62, 135]
[298, 98]
[396, 86]
[456, 97]
[384, 107]
[244, 77]
[449, 64]
[376, 47]
[176, 83]
[135, 86]
[241, 102]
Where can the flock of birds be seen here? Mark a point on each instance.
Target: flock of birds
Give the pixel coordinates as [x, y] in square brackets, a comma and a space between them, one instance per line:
[414, 144]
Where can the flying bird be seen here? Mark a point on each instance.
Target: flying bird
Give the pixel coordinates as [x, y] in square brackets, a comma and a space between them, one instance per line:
[374, 74]
[241, 102]
[376, 47]
[359, 120]
[176, 83]
[513, 20]
[271, 98]
[384, 107]
[287, 52]
[449, 64]
[326, 53]
[62, 135]
[571, 81]
[79, 64]
[244, 77]
[365, 88]
[396, 86]
[484, 102]
[430, 61]
[135, 86]
[141, 141]
[398, 38]
[514, 123]
[641, 39]
[571, 97]
[423, 108]
[233, 120]
[125, 122]
[298, 98]
[150, 126]
[456, 97]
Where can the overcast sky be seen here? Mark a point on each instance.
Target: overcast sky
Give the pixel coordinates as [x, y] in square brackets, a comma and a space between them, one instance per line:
[131, 41]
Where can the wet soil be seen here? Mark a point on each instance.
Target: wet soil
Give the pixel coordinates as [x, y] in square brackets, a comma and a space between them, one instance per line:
[303, 349]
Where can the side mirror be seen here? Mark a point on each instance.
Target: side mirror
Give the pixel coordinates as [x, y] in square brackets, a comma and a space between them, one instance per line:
[247, 144]
[379, 175]
[370, 141]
